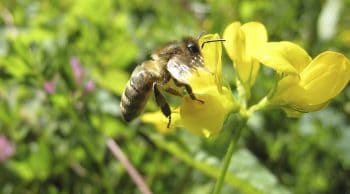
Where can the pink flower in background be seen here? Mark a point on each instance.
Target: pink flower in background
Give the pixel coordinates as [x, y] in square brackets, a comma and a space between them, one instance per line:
[90, 86]
[79, 75]
[7, 149]
[49, 87]
[78, 71]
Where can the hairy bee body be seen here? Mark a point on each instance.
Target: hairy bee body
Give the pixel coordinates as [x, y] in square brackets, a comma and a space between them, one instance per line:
[137, 92]
[175, 61]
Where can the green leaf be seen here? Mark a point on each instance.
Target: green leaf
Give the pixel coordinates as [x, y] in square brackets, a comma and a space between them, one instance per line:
[113, 80]
[22, 169]
[246, 167]
[40, 160]
[209, 169]
[15, 66]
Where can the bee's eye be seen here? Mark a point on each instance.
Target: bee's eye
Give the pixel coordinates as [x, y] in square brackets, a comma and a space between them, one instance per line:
[193, 48]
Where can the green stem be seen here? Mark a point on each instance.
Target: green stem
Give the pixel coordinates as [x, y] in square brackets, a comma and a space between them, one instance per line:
[173, 148]
[228, 156]
[263, 103]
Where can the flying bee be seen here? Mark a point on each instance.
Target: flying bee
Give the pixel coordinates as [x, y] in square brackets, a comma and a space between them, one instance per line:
[173, 63]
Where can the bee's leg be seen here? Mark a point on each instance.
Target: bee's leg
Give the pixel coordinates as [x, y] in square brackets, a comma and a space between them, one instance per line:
[173, 92]
[188, 90]
[162, 103]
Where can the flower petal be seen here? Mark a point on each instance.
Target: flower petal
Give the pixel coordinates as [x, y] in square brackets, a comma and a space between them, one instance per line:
[294, 98]
[287, 91]
[235, 46]
[201, 81]
[285, 57]
[255, 67]
[294, 111]
[241, 43]
[234, 43]
[318, 83]
[206, 118]
[160, 121]
[212, 55]
[325, 77]
[255, 35]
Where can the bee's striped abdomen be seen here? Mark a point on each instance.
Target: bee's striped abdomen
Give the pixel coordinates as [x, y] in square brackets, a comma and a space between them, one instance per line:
[136, 94]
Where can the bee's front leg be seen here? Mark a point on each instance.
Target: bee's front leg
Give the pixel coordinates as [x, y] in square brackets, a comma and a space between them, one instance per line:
[188, 90]
[162, 103]
[173, 92]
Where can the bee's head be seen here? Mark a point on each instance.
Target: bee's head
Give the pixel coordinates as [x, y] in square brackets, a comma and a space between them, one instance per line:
[192, 46]
[188, 47]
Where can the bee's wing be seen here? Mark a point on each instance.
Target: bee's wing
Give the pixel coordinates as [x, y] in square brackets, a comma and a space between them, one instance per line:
[151, 67]
[179, 70]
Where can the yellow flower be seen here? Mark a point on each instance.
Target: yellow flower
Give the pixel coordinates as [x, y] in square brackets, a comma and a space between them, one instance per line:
[212, 58]
[306, 85]
[161, 122]
[241, 42]
[206, 118]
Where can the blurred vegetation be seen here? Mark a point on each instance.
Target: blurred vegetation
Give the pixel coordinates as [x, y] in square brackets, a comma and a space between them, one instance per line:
[64, 65]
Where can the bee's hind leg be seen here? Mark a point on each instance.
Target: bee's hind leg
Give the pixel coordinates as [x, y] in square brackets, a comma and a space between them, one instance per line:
[162, 103]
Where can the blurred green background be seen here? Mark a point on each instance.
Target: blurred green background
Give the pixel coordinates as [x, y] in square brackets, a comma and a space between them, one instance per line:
[64, 65]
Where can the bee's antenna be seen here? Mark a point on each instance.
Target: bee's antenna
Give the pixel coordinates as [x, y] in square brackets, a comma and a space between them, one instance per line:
[217, 40]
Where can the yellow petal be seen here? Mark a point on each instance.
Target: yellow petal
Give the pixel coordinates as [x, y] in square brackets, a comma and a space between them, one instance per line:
[211, 52]
[287, 91]
[283, 57]
[241, 42]
[201, 81]
[206, 118]
[294, 98]
[235, 46]
[312, 107]
[234, 43]
[255, 67]
[212, 55]
[255, 35]
[161, 122]
[294, 111]
[325, 77]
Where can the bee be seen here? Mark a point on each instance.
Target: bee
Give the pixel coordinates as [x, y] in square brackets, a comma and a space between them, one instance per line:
[174, 63]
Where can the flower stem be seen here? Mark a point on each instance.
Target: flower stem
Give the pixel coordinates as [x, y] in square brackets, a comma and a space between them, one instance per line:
[228, 156]
[263, 103]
